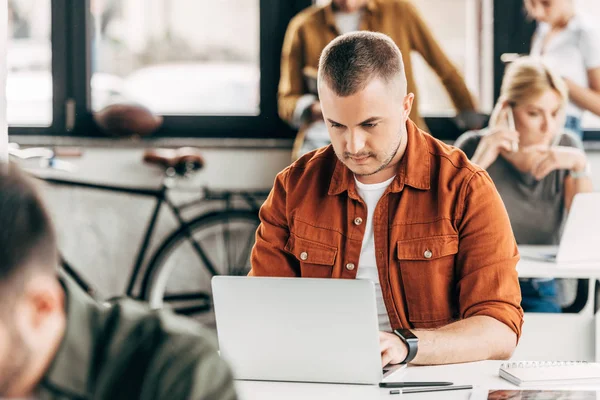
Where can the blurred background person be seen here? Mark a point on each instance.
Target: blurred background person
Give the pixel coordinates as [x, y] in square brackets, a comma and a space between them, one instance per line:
[536, 166]
[570, 44]
[312, 29]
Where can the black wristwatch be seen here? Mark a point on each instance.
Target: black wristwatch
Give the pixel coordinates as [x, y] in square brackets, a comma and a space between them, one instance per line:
[411, 341]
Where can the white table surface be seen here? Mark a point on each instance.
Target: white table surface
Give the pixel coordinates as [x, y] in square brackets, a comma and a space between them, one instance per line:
[482, 375]
[531, 268]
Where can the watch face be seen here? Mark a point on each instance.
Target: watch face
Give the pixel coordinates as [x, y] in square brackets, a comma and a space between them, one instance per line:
[406, 333]
[411, 341]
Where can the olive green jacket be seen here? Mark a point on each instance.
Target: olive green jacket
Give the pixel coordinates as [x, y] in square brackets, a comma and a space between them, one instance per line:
[127, 351]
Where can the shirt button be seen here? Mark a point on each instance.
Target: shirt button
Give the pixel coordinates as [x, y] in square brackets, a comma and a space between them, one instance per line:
[427, 254]
[357, 221]
[303, 256]
[349, 266]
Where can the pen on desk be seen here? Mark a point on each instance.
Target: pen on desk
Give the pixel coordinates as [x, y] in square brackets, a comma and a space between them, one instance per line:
[431, 389]
[393, 385]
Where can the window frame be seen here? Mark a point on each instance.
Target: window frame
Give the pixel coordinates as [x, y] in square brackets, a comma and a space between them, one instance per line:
[59, 71]
[274, 16]
[71, 75]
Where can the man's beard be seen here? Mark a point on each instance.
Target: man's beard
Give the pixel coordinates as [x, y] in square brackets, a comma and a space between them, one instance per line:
[385, 163]
[15, 362]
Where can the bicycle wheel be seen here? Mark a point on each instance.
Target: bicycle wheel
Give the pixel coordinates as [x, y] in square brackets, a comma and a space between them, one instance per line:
[178, 275]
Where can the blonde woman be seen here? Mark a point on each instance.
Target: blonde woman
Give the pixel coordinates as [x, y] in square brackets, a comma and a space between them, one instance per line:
[536, 166]
[570, 44]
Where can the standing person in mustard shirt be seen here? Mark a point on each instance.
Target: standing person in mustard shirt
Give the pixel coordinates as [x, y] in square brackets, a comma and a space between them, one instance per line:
[312, 29]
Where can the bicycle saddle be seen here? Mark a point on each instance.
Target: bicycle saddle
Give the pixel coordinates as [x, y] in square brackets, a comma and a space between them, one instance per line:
[183, 160]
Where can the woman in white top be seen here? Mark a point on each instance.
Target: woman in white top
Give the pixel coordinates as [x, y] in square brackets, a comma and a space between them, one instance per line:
[570, 45]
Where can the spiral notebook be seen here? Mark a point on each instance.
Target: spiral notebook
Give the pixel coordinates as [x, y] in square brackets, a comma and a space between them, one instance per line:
[531, 373]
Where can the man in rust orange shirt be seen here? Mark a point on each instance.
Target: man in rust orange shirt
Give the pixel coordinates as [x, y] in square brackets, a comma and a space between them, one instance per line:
[389, 203]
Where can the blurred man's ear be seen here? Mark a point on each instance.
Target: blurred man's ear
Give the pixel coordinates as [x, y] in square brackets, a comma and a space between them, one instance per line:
[40, 309]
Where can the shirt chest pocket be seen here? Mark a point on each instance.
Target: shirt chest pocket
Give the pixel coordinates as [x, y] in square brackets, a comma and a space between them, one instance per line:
[427, 269]
[316, 259]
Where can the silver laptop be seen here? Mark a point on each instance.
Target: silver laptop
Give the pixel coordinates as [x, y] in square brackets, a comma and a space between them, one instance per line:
[580, 238]
[299, 329]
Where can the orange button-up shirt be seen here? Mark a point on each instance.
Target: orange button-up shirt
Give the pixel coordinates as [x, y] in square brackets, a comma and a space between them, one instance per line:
[443, 242]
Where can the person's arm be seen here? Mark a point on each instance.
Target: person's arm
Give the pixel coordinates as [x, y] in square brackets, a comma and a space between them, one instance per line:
[485, 151]
[487, 280]
[487, 287]
[586, 98]
[570, 156]
[422, 41]
[269, 257]
[292, 100]
[582, 184]
[579, 179]
[188, 368]
[454, 343]
[211, 380]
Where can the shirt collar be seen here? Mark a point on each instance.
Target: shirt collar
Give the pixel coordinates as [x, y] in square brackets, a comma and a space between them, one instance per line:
[71, 368]
[371, 7]
[413, 169]
[574, 25]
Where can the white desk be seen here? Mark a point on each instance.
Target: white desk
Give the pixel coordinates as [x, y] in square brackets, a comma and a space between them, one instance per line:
[559, 336]
[531, 268]
[482, 375]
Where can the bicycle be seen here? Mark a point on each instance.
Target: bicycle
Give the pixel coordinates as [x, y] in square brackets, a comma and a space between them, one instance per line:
[221, 239]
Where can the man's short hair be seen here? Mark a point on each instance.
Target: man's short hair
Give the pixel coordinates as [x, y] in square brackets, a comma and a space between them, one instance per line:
[27, 238]
[349, 62]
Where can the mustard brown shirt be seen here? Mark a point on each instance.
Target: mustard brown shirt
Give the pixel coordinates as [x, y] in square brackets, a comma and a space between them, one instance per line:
[312, 29]
[443, 242]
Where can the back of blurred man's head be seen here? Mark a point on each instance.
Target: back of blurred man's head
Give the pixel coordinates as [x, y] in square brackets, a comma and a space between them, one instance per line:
[27, 239]
[32, 313]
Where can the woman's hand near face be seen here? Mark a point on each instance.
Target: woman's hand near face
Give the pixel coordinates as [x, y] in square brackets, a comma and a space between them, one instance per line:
[497, 140]
[548, 159]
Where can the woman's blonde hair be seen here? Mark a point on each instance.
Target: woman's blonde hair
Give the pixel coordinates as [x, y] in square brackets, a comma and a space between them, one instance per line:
[525, 79]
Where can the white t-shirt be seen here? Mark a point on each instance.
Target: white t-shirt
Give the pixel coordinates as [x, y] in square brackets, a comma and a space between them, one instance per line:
[570, 52]
[347, 22]
[367, 264]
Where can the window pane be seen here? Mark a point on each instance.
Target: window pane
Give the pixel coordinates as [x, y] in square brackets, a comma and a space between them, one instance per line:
[591, 8]
[464, 41]
[29, 61]
[177, 57]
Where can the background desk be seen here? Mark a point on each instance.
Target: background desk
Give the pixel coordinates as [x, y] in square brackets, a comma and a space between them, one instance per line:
[482, 375]
[559, 336]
